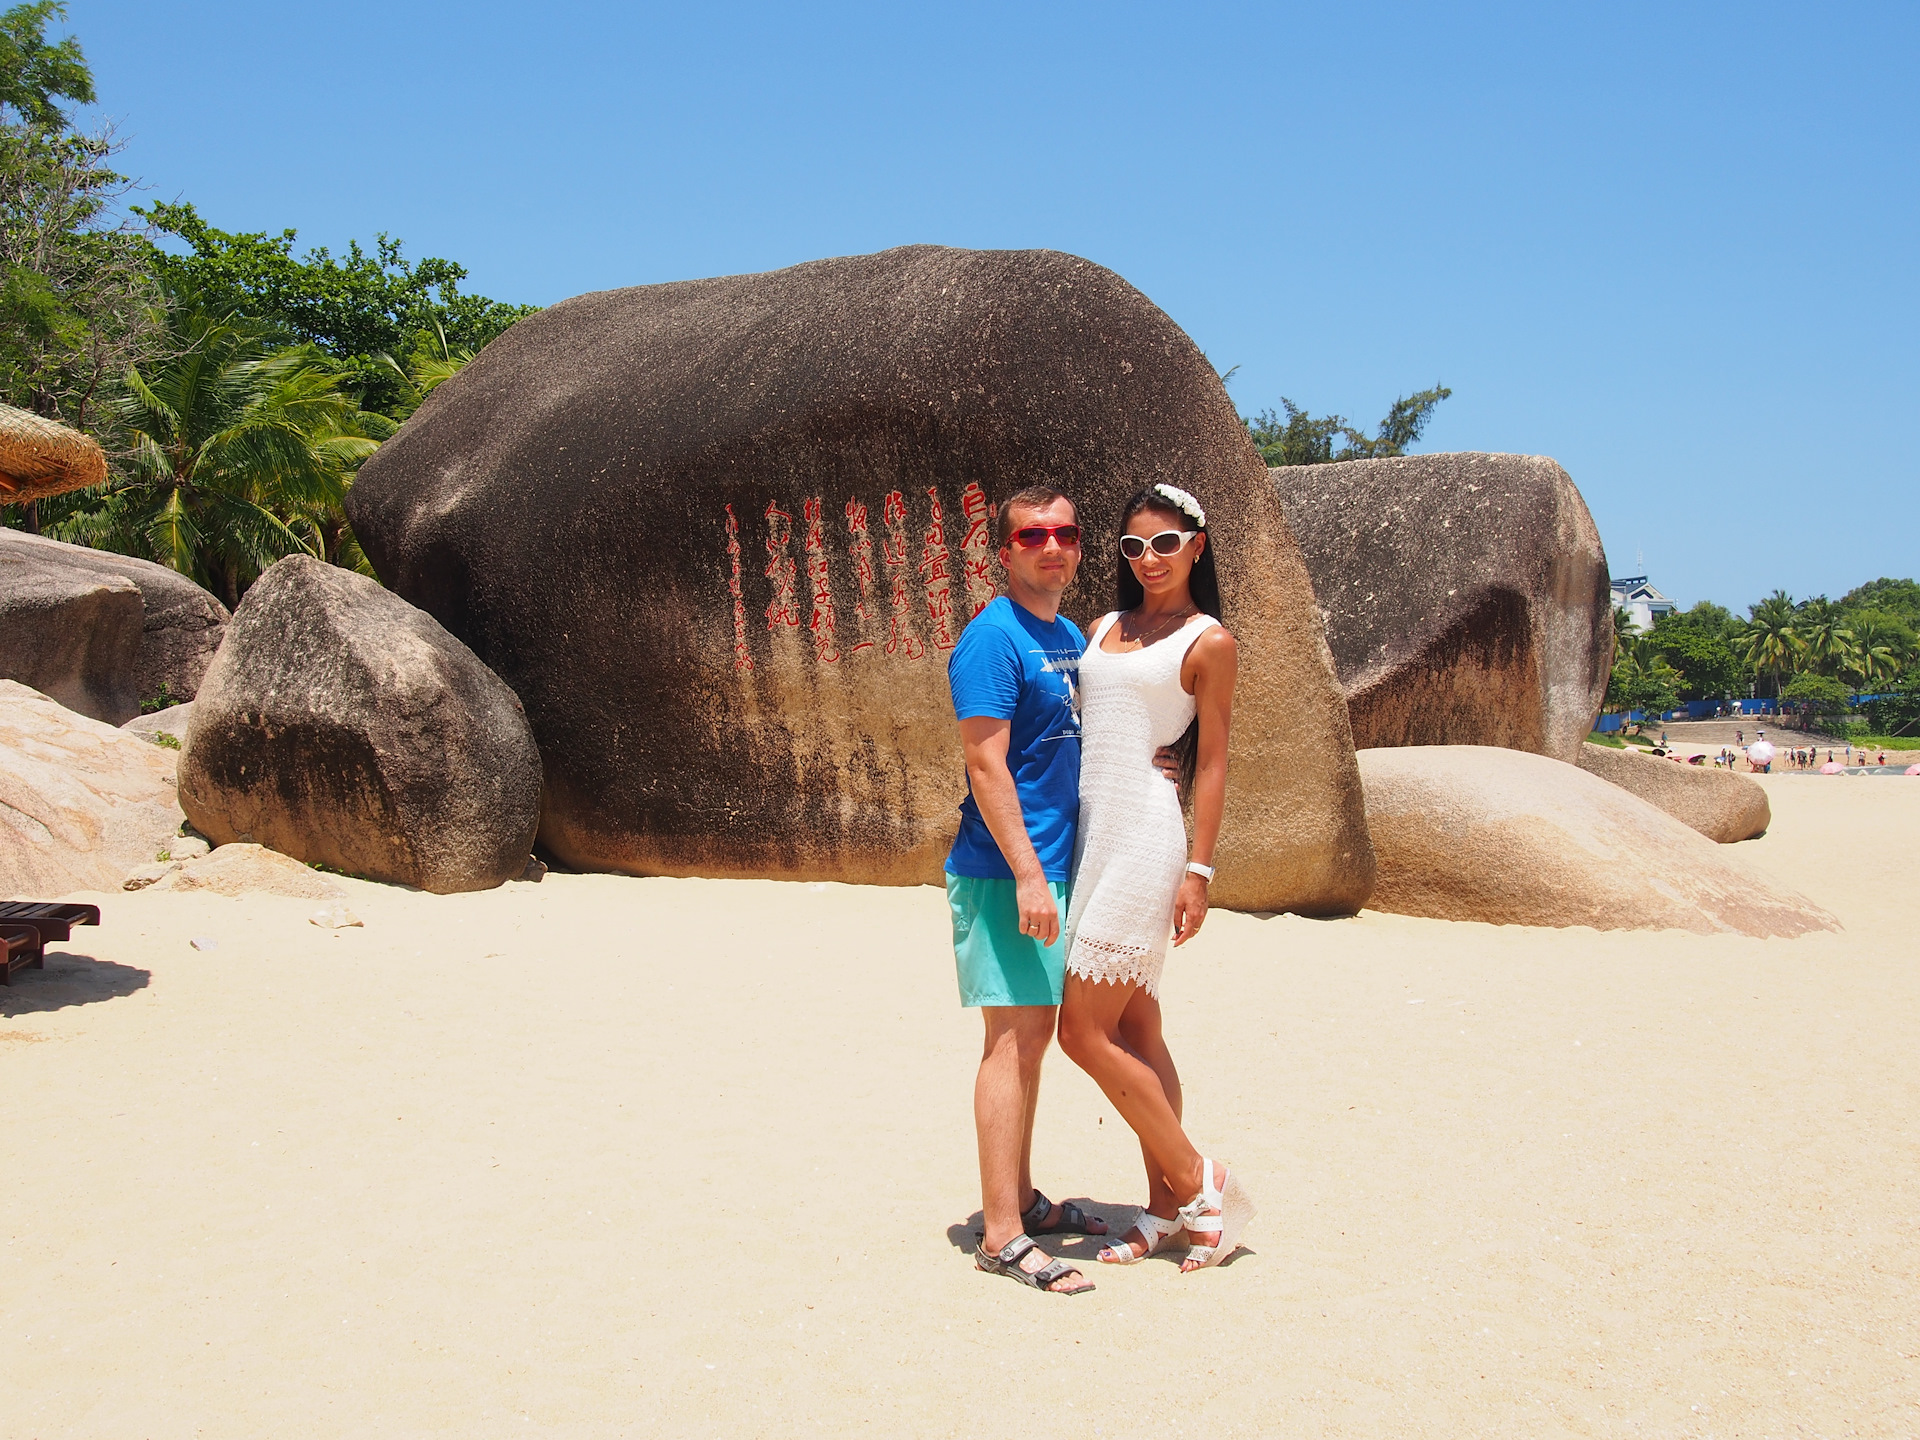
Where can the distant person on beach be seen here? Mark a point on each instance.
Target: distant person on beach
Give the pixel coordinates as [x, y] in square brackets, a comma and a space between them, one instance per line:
[1160, 669]
[1013, 676]
[1760, 754]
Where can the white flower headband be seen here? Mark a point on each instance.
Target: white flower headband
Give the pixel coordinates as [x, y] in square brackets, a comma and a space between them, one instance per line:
[1188, 505]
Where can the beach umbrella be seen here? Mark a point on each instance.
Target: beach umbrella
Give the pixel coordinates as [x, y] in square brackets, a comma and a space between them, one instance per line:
[1911, 770]
[1833, 767]
[40, 457]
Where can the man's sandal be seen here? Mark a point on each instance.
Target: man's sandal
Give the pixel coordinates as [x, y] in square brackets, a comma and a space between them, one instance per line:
[1007, 1263]
[1155, 1231]
[1215, 1209]
[1072, 1221]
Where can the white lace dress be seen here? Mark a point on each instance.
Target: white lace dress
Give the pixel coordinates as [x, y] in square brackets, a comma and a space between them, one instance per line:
[1131, 853]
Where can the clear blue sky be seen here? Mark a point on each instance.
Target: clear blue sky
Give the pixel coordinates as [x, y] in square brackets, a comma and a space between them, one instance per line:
[1671, 246]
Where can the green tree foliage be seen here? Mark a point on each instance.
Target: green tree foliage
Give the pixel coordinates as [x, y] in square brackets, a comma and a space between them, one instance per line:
[1897, 712]
[1694, 646]
[1302, 439]
[1883, 645]
[1770, 644]
[242, 453]
[1817, 694]
[1643, 679]
[1899, 598]
[355, 308]
[1712, 619]
[75, 287]
[430, 366]
[33, 73]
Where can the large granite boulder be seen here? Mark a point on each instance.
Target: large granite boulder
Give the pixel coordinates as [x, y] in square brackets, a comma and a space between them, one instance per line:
[721, 535]
[73, 637]
[1465, 597]
[340, 725]
[180, 625]
[1470, 832]
[81, 803]
[1721, 805]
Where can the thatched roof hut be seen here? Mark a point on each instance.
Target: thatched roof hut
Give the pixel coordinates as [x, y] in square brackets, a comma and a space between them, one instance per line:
[40, 457]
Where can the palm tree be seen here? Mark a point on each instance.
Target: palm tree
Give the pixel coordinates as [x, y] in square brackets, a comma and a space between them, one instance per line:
[1879, 650]
[432, 364]
[1770, 643]
[1825, 641]
[242, 454]
[1623, 631]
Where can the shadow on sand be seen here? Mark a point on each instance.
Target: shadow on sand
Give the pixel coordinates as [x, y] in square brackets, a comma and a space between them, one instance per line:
[1083, 1250]
[69, 979]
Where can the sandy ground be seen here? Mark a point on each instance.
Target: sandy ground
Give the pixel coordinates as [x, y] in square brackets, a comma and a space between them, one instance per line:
[449, 1174]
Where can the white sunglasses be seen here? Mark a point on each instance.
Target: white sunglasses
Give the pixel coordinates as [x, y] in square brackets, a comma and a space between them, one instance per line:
[1167, 542]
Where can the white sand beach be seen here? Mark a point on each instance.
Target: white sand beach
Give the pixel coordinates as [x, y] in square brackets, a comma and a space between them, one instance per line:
[605, 1157]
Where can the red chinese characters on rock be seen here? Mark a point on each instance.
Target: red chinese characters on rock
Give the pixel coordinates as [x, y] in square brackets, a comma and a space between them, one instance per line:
[822, 622]
[976, 551]
[893, 555]
[742, 660]
[860, 549]
[784, 607]
[936, 575]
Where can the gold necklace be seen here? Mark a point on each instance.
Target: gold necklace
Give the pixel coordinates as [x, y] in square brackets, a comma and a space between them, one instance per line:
[1165, 627]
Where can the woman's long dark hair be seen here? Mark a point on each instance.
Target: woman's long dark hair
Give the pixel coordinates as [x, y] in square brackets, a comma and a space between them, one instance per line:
[1204, 580]
[1203, 583]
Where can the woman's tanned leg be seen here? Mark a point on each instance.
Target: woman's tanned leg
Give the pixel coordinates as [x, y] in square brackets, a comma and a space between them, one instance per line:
[1090, 1033]
[1140, 1032]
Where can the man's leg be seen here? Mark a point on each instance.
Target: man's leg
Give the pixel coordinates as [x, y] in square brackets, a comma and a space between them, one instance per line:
[1005, 1094]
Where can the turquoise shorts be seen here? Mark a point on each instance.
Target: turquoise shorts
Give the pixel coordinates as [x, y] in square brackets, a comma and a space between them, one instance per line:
[998, 965]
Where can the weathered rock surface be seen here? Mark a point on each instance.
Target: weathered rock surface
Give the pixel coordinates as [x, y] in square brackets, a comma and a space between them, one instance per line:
[340, 725]
[81, 803]
[1465, 597]
[172, 721]
[722, 535]
[72, 637]
[1721, 805]
[181, 625]
[244, 869]
[1471, 832]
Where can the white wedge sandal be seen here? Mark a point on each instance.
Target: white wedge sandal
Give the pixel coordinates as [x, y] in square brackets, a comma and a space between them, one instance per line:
[1234, 1209]
[1157, 1231]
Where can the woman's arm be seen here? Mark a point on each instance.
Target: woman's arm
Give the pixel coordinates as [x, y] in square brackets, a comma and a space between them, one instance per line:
[1208, 674]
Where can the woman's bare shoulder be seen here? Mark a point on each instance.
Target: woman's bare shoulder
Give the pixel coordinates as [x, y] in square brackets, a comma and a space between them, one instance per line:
[1215, 640]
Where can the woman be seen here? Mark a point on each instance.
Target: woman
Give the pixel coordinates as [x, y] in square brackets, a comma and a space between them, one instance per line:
[1159, 669]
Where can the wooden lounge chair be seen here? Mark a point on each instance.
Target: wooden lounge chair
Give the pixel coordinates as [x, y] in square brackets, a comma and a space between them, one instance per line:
[27, 925]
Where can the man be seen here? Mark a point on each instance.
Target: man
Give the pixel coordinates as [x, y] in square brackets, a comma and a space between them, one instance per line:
[1012, 676]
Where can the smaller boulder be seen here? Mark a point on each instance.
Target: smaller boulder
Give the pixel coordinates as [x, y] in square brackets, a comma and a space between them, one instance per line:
[1721, 805]
[342, 726]
[171, 722]
[81, 803]
[242, 869]
[1470, 832]
[74, 637]
[181, 625]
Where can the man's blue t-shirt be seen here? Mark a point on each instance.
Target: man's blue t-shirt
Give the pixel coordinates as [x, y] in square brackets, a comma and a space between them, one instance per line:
[1011, 665]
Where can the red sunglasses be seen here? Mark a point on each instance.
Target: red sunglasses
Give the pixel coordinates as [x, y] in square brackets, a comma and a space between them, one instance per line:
[1032, 537]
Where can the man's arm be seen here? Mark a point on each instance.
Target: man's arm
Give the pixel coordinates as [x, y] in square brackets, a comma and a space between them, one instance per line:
[985, 739]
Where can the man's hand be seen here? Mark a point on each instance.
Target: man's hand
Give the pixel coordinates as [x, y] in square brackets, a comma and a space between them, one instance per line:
[1168, 764]
[1039, 916]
